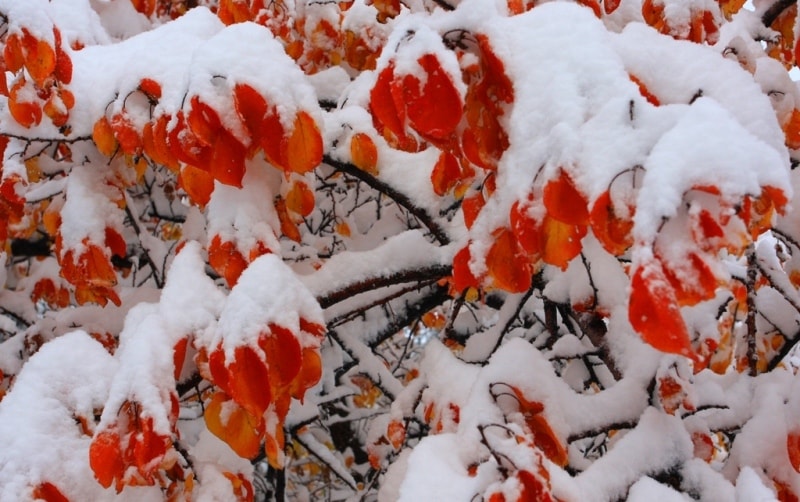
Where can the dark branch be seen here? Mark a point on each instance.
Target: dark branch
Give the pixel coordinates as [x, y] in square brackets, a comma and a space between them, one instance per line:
[420, 275]
[400, 198]
[413, 311]
[27, 248]
[776, 10]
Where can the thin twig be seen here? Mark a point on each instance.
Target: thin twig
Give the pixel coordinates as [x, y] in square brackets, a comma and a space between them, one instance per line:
[400, 198]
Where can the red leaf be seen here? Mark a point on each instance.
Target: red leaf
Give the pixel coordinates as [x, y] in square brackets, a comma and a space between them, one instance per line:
[249, 381]
[793, 449]
[435, 110]
[613, 232]
[527, 230]
[462, 275]
[654, 313]
[610, 5]
[508, 266]
[471, 207]
[446, 174]
[105, 458]
[251, 107]
[227, 159]
[283, 353]
[564, 202]
[49, 493]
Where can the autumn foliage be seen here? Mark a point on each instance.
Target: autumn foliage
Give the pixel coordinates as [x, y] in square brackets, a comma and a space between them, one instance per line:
[302, 248]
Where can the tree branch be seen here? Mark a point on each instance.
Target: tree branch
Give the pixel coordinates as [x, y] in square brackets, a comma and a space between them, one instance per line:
[775, 10]
[430, 273]
[400, 198]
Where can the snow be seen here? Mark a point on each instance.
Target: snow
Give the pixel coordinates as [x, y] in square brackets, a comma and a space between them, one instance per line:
[68, 377]
[268, 292]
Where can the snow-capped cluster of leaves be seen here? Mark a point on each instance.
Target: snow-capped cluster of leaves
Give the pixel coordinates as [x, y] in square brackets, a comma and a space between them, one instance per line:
[498, 250]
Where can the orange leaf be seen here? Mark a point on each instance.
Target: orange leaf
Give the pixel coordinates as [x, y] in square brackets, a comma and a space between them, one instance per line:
[564, 202]
[218, 370]
[546, 440]
[396, 432]
[63, 70]
[126, 134]
[527, 230]
[304, 147]
[645, 92]
[610, 5]
[198, 184]
[273, 140]
[300, 199]
[12, 53]
[509, 268]
[533, 488]
[40, 58]
[234, 425]
[364, 153]
[226, 259]
[562, 241]
[703, 446]
[385, 115]
[151, 88]
[310, 373]
[115, 243]
[154, 142]
[613, 232]
[185, 146]
[288, 228]
[792, 129]
[446, 174]
[697, 284]
[654, 313]
[146, 448]
[103, 137]
[26, 113]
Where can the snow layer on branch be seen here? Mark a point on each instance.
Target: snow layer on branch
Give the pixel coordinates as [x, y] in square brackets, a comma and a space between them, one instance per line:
[109, 73]
[189, 304]
[576, 108]
[391, 257]
[246, 215]
[67, 378]
[268, 292]
[88, 209]
[260, 62]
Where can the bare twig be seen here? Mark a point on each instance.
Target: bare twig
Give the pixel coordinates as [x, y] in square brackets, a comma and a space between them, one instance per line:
[750, 319]
[400, 198]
